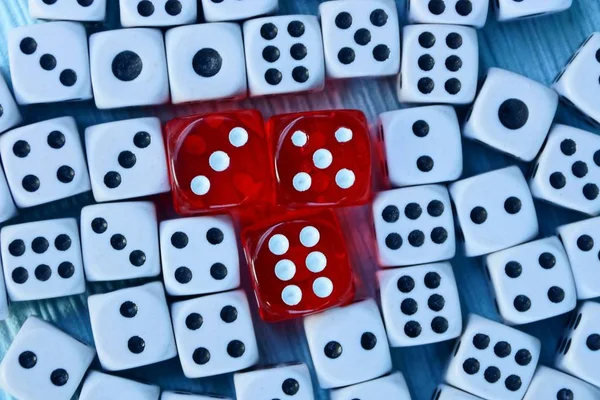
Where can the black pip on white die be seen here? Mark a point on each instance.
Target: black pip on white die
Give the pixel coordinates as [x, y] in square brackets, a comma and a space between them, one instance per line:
[458, 12]
[157, 12]
[281, 381]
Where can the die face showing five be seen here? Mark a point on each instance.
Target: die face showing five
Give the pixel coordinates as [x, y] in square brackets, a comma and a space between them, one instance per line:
[455, 12]
[389, 387]
[507, 10]
[549, 384]
[7, 204]
[361, 39]
[188, 396]
[275, 382]
[493, 361]
[445, 392]
[234, 10]
[343, 338]
[215, 334]
[157, 12]
[44, 363]
[99, 386]
[9, 111]
[69, 10]
[494, 210]
[132, 327]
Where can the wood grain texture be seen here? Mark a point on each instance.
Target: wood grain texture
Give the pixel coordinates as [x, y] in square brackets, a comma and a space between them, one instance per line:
[536, 48]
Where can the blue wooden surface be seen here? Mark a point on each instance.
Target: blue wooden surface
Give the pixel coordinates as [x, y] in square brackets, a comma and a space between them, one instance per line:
[536, 48]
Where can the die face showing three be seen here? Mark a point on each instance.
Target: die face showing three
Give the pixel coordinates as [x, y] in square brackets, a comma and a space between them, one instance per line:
[71, 10]
[99, 386]
[389, 387]
[233, 10]
[455, 12]
[9, 111]
[275, 382]
[507, 10]
[549, 384]
[157, 12]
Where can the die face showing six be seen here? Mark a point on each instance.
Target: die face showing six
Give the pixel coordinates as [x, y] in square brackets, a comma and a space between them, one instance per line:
[120, 241]
[213, 238]
[129, 68]
[188, 396]
[445, 392]
[361, 39]
[7, 204]
[99, 386]
[284, 54]
[9, 111]
[422, 145]
[507, 10]
[44, 363]
[494, 210]
[455, 12]
[234, 10]
[215, 334]
[532, 282]
[49, 63]
[202, 69]
[42, 260]
[440, 64]
[157, 12]
[493, 361]
[132, 327]
[550, 384]
[276, 382]
[343, 338]
[389, 387]
[299, 266]
[512, 114]
[69, 10]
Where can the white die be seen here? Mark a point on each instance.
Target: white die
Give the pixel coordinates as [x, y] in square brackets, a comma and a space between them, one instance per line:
[507, 10]
[99, 386]
[532, 282]
[7, 204]
[348, 344]
[578, 353]
[68, 10]
[120, 241]
[215, 334]
[44, 161]
[389, 387]
[157, 12]
[284, 54]
[440, 64]
[361, 38]
[42, 259]
[49, 62]
[234, 10]
[44, 363]
[127, 159]
[188, 396]
[422, 145]
[414, 225]
[420, 304]
[548, 383]
[493, 361]
[512, 114]
[132, 327]
[494, 210]
[9, 111]
[275, 382]
[204, 69]
[455, 12]
[445, 392]
[129, 68]
[4, 311]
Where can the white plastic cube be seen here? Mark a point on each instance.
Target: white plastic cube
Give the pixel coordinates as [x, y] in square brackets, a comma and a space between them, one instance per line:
[389, 387]
[7, 204]
[548, 383]
[157, 12]
[69, 10]
[455, 12]
[507, 10]
[445, 392]
[100, 386]
[280, 381]
[9, 111]
[235, 10]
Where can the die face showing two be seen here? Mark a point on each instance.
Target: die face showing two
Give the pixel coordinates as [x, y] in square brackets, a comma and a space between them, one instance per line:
[445, 392]
[455, 12]
[157, 12]
[9, 111]
[549, 384]
[69, 10]
[276, 382]
[7, 204]
[99, 386]
[389, 387]
[234, 10]
[507, 10]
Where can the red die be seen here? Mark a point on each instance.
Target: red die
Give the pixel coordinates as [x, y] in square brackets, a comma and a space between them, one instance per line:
[299, 266]
[321, 158]
[219, 161]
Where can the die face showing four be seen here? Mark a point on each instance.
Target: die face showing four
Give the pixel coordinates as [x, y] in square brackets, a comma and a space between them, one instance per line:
[494, 210]
[215, 334]
[493, 361]
[69, 10]
[9, 111]
[507, 10]
[132, 327]
[343, 338]
[389, 387]
[99, 386]
[549, 384]
[7, 204]
[276, 382]
[234, 10]
[44, 363]
[422, 145]
[284, 54]
[455, 12]
[157, 12]
[188, 396]
[361, 39]
[445, 392]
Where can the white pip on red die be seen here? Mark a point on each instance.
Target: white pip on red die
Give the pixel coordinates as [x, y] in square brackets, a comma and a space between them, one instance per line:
[129, 68]
[42, 259]
[389, 387]
[43, 362]
[422, 145]
[188, 396]
[126, 159]
[275, 382]
[132, 327]
[9, 111]
[507, 10]
[340, 339]
[7, 204]
[493, 361]
[446, 392]
[494, 210]
[120, 241]
[414, 225]
[455, 12]
[157, 12]
[49, 62]
[548, 383]
[361, 39]
[68, 10]
[440, 64]
[215, 334]
[235, 10]
[100, 386]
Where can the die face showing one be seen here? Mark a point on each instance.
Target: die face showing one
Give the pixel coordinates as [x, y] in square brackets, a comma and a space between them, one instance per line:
[183, 240]
[9, 111]
[440, 64]
[35, 52]
[132, 327]
[494, 210]
[493, 361]
[532, 282]
[99, 386]
[275, 382]
[389, 387]
[120, 241]
[507, 10]
[343, 338]
[188, 396]
[7, 204]
[129, 68]
[361, 39]
[44, 363]
[69, 10]
[214, 334]
[550, 384]
[422, 145]
[157, 12]
[512, 114]
[42, 260]
[455, 12]
[202, 69]
[235, 10]
[445, 392]
[284, 54]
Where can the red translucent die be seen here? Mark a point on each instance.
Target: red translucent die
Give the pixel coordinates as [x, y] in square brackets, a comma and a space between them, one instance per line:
[219, 161]
[299, 266]
[322, 158]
